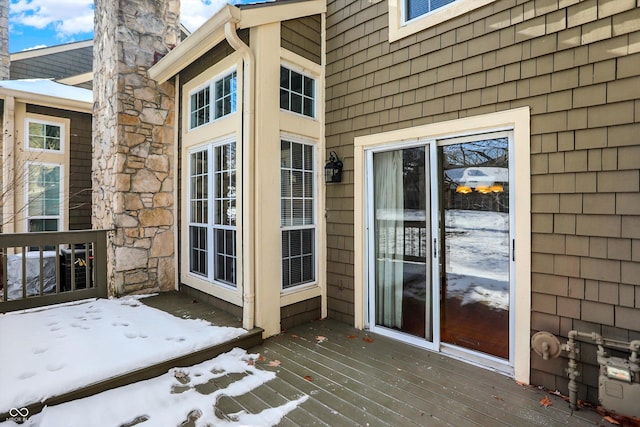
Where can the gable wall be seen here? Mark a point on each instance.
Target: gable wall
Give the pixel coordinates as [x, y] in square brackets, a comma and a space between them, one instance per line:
[55, 66]
[303, 36]
[576, 64]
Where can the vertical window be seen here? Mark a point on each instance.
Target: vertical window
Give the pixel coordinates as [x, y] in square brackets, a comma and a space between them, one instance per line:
[297, 213]
[225, 214]
[44, 136]
[415, 8]
[297, 92]
[198, 212]
[199, 108]
[212, 232]
[225, 95]
[43, 197]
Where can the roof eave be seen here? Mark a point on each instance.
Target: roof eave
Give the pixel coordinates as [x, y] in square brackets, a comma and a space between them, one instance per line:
[197, 44]
[277, 12]
[48, 100]
[212, 32]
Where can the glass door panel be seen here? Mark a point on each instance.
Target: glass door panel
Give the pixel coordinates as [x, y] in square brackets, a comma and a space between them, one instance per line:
[402, 288]
[475, 249]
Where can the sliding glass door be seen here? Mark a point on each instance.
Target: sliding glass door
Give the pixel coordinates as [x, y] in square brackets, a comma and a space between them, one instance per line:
[474, 239]
[401, 241]
[440, 244]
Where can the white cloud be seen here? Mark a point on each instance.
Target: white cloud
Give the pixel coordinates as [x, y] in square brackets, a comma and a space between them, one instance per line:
[193, 13]
[66, 17]
[72, 17]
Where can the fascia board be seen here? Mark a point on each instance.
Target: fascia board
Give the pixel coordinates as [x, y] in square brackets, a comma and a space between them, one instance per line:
[48, 101]
[277, 13]
[77, 79]
[193, 47]
[33, 53]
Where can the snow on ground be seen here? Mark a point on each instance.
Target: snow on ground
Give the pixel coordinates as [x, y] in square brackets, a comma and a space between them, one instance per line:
[61, 348]
[478, 257]
[172, 399]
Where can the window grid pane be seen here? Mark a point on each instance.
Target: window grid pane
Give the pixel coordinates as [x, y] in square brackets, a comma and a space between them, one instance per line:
[297, 214]
[298, 257]
[297, 92]
[198, 250]
[44, 136]
[225, 95]
[200, 108]
[43, 188]
[297, 185]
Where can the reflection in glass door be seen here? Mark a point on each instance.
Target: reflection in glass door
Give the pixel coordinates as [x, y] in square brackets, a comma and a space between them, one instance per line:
[402, 289]
[474, 238]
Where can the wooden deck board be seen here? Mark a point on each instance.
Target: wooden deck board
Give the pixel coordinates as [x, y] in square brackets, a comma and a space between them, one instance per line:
[381, 392]
[446, 386]
[385, 382]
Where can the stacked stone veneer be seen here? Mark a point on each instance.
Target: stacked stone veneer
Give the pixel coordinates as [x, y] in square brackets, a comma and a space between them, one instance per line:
[133, 143]
[4, 39]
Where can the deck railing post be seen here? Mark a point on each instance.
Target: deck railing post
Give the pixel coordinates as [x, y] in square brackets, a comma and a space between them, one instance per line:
[100, 264]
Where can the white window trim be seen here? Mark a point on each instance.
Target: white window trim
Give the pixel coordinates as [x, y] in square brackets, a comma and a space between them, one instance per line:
[517, 120]
[61, 217]
[316, 255]
[301, 70]
[211, 84]
[60, 124]
[193, 92]
[210, 278]
[400, 28]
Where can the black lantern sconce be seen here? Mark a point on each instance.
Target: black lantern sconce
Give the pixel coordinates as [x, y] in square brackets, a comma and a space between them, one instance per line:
[333, 168]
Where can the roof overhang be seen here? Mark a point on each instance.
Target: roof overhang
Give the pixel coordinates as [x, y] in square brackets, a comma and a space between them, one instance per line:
[211, 33]
[49, 50]
[45, 95]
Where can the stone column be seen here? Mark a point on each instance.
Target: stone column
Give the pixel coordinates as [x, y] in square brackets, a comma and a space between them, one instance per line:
[133, 143]
[4, 40]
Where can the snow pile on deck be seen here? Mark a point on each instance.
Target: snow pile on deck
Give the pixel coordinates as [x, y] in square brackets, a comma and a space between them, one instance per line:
[61, 348]
[181, 396]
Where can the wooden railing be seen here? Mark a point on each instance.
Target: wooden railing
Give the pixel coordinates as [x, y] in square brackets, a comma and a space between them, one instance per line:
[46, 268]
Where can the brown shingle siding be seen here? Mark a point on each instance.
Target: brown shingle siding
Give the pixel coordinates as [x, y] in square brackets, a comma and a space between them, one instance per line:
[576, 65]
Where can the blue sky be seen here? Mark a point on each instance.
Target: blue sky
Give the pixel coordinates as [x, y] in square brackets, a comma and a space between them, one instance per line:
[41, 23]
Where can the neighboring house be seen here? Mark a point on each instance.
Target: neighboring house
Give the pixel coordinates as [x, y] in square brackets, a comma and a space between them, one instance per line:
[52, 91]
[46, 109]
[491, 182]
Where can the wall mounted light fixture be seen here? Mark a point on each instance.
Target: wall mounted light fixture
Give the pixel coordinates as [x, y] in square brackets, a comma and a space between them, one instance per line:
[333, 168]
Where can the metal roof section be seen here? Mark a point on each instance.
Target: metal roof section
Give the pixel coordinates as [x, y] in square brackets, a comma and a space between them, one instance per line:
[212, 31]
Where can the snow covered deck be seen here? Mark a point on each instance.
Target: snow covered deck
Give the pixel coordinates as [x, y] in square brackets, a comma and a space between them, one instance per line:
[60, 353]
[323, 373]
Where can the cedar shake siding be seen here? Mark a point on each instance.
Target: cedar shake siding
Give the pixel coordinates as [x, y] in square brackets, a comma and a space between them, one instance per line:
[79, 174]
[300, 313]
[54, 66]
[576, 64]
[303, 36]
